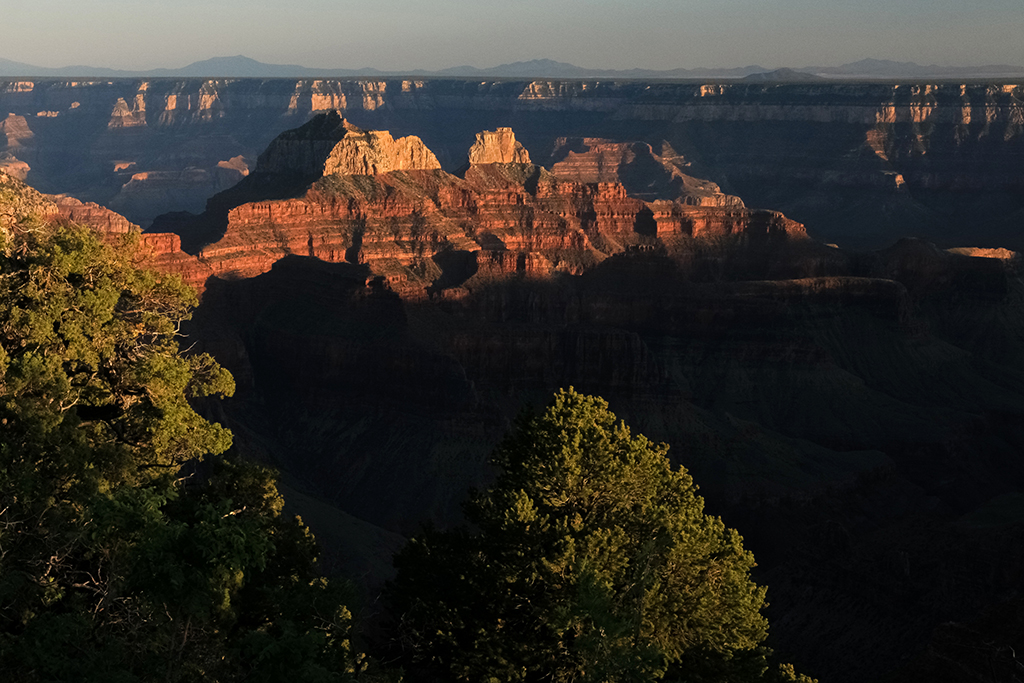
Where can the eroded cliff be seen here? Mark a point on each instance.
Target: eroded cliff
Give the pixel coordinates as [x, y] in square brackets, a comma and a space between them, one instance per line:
[387, 204]
[861, 164]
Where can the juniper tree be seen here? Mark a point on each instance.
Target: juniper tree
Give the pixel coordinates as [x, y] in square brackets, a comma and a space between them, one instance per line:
[590, 559]
[121, 558]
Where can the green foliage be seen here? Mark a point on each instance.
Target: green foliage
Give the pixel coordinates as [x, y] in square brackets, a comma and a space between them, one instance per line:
[124, 556]
[592, 560]
[785, 673]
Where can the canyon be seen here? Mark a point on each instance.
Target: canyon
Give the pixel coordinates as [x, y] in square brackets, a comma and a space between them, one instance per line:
[388, 302]
[860, 164]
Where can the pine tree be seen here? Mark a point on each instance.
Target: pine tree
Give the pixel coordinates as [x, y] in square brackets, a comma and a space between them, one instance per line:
[589, 559]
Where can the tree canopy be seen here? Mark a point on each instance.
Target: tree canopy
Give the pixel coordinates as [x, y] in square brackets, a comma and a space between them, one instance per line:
[589, 559]
[124, 554]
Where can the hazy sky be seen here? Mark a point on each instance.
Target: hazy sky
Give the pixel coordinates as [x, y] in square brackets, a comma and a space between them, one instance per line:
[434, 34]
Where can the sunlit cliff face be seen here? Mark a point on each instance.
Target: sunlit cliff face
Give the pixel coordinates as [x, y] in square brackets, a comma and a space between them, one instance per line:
[859, 163]
[370, 199]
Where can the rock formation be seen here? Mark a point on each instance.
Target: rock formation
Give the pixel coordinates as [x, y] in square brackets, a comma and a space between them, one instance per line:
[304, 150]
[126, 115]
[330, 145]
[497, 147]
[18, 201]
[16, 138]
[977, 252]
[641, 171]
[166, 191]
[387, 204]
[16, 132]
[13, 166]
[99, 217]
[161, 251]
[374, 152]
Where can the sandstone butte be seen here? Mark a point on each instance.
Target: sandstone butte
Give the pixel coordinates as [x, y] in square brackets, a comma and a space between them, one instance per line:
[369, 199]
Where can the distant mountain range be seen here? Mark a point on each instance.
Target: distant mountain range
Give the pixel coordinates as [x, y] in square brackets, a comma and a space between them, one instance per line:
[889, 69]
[244, 67]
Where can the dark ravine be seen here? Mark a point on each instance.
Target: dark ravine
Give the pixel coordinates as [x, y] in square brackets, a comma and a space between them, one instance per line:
[860, 164]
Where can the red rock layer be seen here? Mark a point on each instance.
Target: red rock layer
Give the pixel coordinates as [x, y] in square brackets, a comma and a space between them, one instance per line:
[676, 218]
[105, 221]
[162, 252]
[504, 218]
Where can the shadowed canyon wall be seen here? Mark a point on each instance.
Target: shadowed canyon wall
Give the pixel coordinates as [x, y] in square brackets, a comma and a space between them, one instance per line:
[860, 164]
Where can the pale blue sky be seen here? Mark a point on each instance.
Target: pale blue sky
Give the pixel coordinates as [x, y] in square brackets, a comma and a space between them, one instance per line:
[435, 34]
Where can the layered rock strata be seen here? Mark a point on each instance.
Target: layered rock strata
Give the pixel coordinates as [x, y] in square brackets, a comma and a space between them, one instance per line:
[99, 217]
[861, 164]
[386, 203]
[641, 171]
[376, 152]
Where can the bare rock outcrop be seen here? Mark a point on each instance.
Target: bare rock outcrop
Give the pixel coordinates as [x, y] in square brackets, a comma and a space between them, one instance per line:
[13, 166]
[125, 115]
[162, 251]
[371, 152]
[236, 164]
[105, 221]
[330, 145]
[304, 150]
[19, 201]
[497, 147]
[159, 251]
[979, 252]
[15, 131]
